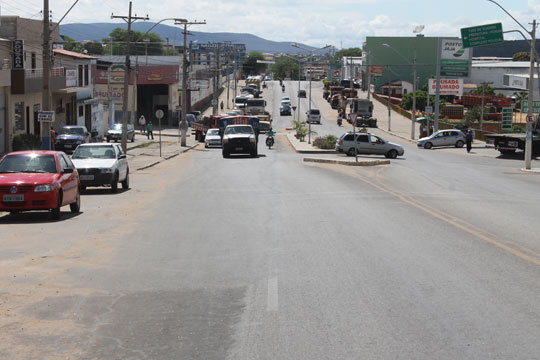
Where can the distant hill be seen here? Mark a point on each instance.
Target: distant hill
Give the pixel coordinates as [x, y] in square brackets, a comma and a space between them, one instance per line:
[99, 31]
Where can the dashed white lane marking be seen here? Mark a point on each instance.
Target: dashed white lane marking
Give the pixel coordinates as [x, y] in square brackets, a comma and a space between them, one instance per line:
[272, 301]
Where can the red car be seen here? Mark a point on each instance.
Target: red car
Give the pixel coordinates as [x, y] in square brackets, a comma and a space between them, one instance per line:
[38, 180]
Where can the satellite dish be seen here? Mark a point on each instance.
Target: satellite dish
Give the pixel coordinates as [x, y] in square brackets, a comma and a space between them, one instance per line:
[418, 29]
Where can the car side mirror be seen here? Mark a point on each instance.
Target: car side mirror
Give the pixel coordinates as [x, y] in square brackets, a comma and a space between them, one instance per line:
[67, 171]
[122, 156]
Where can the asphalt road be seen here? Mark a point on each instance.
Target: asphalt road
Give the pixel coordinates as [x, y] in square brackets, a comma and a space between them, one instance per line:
[436, 256]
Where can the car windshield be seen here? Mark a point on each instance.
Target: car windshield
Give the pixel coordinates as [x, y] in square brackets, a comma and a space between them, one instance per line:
[72, 131]
[96, 152]
[28, 163]
[213, 132]
[117, 127]
[239, 130]
[315, 112]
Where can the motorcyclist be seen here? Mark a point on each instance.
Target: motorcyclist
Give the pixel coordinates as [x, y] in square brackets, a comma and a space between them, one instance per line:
[282, 88]
[270, 137]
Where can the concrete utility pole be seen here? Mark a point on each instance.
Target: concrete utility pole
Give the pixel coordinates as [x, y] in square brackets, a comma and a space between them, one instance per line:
[184, 78]
[389, 99]
[46, 95]
[369, 75]
[129, 20]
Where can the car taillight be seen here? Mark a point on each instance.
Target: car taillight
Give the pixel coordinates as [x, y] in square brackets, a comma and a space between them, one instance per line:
[340, 142]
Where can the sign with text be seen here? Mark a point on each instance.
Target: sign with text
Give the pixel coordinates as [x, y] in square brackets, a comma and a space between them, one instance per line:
[376, 70]
[482, 35]
[507, 117]
[46, 116]
[525, 106]
[456, 60]
[18, 54]
[516, 81]
[447, 87]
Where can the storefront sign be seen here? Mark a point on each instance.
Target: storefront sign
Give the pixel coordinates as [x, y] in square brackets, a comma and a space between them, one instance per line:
[18, 54]
[71, 77]
[447, 87]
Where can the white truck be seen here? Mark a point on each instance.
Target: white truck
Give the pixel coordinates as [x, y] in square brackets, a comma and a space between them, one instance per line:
[255, 107]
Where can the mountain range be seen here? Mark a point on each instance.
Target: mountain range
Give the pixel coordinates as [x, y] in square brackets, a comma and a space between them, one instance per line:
[100, 31]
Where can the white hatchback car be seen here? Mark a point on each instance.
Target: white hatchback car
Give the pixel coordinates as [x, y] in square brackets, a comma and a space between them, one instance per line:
[442, 138]
[101, 164]
[212, 138]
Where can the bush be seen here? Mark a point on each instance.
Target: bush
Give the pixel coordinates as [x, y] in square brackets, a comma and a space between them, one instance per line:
[328, 142]
[26, 142]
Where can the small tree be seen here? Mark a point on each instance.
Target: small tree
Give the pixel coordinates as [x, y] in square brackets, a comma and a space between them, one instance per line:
[285, 67]
[94, 48]
[521, 56]
[484, 89]
[71, 44]
[250, 65]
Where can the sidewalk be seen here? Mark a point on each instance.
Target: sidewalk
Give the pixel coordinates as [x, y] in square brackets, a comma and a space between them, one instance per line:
[144, 153]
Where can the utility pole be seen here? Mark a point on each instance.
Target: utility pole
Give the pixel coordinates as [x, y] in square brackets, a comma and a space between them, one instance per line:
[184, 78]
[46, 95]
[389, 99]
[369, 75]
[129, 20]
[528, 139]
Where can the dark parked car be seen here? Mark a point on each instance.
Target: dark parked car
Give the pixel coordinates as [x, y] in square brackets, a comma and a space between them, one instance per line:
[69, 137]
[115, 133]
[302, 93]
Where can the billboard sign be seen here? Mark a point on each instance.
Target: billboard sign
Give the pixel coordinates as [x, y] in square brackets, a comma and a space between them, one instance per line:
[456, 60]
[516, 81]
[447, 87]
[376, 70]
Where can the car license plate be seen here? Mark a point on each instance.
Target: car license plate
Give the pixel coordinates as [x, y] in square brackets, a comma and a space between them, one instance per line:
[67, 146]
[513, 143]
[238, 148]
[86, 177]
[13, 197]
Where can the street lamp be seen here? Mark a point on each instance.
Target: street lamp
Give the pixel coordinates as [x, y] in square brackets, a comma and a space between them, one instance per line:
[416, 30]
[146, 41]
[311, 51]
[528, 138]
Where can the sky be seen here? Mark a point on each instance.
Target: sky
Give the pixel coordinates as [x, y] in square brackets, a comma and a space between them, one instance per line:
[341, 23]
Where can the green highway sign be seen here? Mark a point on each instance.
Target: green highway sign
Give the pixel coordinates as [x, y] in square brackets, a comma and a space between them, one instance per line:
[482, 35]
[507, 117]
[525, 106]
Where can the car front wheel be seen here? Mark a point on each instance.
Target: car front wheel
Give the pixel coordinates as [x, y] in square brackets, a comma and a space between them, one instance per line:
[55, 213]
[75, 206]
[428, 145]
[125, 183]
[392, 154]
[114, 184]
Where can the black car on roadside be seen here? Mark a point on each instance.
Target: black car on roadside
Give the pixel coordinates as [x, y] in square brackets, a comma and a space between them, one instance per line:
[71, 136]
[302, 93]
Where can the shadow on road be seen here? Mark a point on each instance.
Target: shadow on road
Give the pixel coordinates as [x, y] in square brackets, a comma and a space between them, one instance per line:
[35, 217]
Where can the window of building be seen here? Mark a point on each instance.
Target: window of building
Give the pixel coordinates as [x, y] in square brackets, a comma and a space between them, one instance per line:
[19, 116]
[81, 111]
[81, 71]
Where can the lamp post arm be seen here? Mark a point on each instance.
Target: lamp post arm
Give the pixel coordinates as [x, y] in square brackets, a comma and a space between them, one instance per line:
[507, 13]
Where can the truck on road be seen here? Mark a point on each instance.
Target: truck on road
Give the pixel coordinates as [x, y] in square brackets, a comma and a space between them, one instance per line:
[363, 109]
[508, 143]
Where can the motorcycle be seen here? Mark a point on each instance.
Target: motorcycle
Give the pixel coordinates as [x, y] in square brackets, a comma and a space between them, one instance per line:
[270, 141]
[283, 88]
[264, 85]
[339, 121]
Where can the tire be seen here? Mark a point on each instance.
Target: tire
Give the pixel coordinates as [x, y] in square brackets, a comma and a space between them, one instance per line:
[351, 152]
[206, 146]
[225, 154]
[108, 140]
[428, 145]
[392, 154]
[83, 188]
[133, 138]
[459, 144]
[55, 213]
[254, 153]
[75, 206]
[114, 184]
[125, 182]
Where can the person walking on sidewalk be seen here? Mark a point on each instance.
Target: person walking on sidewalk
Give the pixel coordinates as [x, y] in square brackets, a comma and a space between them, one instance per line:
[149, 131]
[221, 105]
[142, 124]
[468, 140]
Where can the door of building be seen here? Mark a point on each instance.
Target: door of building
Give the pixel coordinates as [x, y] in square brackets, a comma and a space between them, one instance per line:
[3, 147]
[36, 122]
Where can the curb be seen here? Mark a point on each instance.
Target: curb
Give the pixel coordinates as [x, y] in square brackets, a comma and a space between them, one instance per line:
[349, 163]
[167, 158]
[309, 151]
